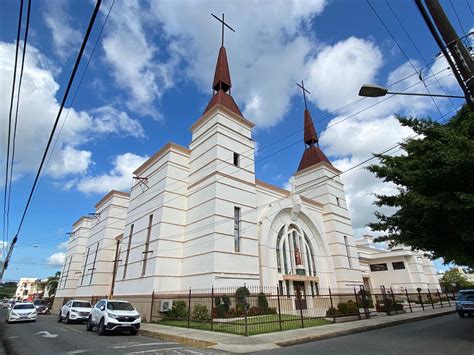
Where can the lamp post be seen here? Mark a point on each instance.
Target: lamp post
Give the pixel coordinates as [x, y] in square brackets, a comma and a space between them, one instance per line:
[370, 90]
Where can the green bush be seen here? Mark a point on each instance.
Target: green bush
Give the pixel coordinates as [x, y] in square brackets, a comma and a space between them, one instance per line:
[342, 307]
[240, 298]
[352, 307]
[217, 301]
[331, 312]
[200, 312]
[226, 301]
[365, 299]
[179, 310]
[221, 310]
[262, 301]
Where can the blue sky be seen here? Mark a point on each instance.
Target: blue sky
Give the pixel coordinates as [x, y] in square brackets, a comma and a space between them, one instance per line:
[150, 78]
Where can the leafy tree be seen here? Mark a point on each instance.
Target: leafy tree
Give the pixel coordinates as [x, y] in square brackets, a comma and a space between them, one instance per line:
[435, 180]
[52, 284]
[453, 278]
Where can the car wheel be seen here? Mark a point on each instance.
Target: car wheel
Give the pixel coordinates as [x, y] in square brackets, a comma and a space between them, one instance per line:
[89, 325]
[461, 314]
[134, 332]
[101, 328]
[67, 320]
[59, 317]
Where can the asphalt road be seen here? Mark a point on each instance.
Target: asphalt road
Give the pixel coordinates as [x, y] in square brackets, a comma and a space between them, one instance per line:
[443, 335]
[47, 336]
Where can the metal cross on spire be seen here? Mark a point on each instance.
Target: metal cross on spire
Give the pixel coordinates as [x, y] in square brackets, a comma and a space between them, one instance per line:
[304, 93]
[223, 24]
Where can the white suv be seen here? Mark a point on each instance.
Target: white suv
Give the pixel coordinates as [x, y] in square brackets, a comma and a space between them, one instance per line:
[75, 310]
[114, 315]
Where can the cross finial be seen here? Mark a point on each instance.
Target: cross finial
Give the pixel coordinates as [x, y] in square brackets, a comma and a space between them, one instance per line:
[304, 93]
[223, 24]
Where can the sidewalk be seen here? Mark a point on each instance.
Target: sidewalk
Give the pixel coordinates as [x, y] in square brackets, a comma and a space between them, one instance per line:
[241, 344]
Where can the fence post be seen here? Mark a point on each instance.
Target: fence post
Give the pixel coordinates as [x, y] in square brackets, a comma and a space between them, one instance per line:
[440, 300]
[394, 302]
[447, 297]
[279, 309]
[420, 298]
[189, 306]
[212, 306]
[385, 300]
[357, 303]
[152, 304]
[431, 298]
[245, 313]
[408, 300]
[332, 305]
[298, 295]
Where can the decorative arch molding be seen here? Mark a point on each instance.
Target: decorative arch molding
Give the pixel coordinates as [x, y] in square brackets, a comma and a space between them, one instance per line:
[271, 221]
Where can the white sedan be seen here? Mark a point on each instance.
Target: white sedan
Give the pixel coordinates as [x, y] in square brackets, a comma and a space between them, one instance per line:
[74, 310]
[22, 312]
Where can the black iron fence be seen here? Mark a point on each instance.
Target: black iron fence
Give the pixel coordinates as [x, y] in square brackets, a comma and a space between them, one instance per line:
[255, 310]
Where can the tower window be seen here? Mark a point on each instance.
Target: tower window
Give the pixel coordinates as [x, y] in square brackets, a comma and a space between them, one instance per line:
[237, 229]
[128, 252]
[236, 159]
[347, 252]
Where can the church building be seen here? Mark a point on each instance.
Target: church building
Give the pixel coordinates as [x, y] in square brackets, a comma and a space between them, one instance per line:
[197, 217]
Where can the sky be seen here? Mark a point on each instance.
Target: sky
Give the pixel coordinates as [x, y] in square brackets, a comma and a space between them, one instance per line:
[147, 77]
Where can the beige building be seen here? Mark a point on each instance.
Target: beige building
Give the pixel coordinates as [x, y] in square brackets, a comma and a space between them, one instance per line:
[398, 268]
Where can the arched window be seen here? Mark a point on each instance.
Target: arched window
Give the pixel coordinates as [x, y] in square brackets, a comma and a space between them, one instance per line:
[294, 252]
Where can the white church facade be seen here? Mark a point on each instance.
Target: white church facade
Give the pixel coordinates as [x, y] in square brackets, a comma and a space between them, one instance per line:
[197, 217]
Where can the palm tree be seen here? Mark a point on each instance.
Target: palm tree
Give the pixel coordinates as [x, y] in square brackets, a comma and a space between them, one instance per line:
[52, 284]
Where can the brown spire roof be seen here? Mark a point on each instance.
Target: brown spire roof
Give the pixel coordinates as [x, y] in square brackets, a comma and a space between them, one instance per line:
[221, 85]
[222, 74]
[312, 154]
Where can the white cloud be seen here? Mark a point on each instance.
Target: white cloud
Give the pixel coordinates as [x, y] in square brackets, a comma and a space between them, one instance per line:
[119, 177]
[56, 259]
[63, 245]
[66, 39]
[38, 110]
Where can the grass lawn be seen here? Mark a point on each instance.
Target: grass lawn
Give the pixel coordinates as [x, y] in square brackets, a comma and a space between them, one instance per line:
[256, 325]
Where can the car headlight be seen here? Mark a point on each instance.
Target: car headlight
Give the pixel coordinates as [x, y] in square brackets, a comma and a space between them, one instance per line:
[73, 311]
[14, 314]
[111, 315]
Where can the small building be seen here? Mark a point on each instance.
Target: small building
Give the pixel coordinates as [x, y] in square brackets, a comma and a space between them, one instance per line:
[30, 288]
[398, 268]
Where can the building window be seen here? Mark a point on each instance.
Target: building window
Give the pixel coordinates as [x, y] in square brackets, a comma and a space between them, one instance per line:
[147, 245]
[398, 265]
[93, 264]
[338, 201]
[349, 260]
[280, 287]
[237, 229]
[128, 252]
[294, 252]
[378, 267]
[236, 159]
[287, 284]
[85, 264]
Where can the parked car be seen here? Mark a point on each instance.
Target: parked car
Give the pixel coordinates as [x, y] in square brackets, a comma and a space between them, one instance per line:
[22, 312]
[11, 303]
[75, 311]
[111, 315]
[5, 303]
[465, 302]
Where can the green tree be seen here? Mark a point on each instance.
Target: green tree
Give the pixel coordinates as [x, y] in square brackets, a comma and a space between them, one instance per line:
[52, 284]
[453, 278]
[435, 180]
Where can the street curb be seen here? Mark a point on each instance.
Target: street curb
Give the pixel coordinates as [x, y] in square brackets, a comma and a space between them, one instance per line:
[340, 333]
[177, 338]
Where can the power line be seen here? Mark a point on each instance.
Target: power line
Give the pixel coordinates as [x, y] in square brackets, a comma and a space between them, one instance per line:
[4, 237]
[25, 41]
[470, 8]
[457, 17]
[71, 79]
[403, 52]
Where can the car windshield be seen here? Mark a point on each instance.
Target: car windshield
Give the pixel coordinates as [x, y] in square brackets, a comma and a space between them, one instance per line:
[81, 304]
[23, 306]
[466, 296]
[119, 306]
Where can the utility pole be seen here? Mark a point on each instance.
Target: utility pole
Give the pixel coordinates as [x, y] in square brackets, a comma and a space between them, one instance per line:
[458, 57]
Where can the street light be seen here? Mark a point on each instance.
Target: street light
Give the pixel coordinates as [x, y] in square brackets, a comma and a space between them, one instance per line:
[370, 90]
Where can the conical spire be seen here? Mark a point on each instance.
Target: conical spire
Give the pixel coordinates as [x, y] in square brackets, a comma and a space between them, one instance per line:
[222, 83]
[312, 154]
[310, 136]
[222, 75]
